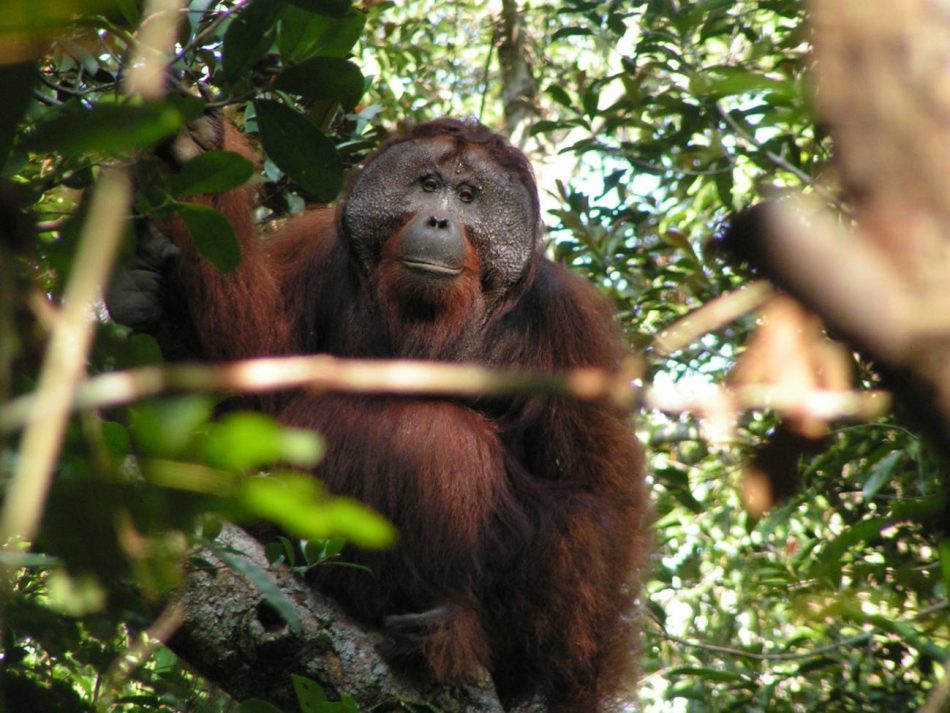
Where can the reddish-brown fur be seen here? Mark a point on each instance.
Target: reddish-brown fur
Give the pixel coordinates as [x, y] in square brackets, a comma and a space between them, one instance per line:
[524, 518]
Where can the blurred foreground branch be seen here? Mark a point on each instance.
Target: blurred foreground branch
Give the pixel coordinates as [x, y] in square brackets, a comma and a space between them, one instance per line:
[713, 315]
[47, 411]
[884, 88]
[320, 372]
[884, 92]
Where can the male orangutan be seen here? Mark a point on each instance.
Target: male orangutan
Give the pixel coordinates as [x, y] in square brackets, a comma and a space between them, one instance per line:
[523, 520]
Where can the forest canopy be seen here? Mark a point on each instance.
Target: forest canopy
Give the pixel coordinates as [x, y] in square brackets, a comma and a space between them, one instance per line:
[790, 381]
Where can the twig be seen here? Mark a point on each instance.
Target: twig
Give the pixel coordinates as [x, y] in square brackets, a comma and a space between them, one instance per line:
[788, 656]
[713, 315]
[792, 656]
[80, 93]
[775, 158]
[322, 372]
[47, 101]
[487, 69]
[819, 404]
[156, 40]
[201, 36]
[50, 226]
[65, 359]
[138, 652]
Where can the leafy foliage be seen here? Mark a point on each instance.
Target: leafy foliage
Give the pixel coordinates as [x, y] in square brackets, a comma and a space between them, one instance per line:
[134, 487]
[656, 120]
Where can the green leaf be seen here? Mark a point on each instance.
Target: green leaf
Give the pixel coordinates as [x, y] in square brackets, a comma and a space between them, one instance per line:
[616, 22]
[903, 631]
[256, 705]
[570, 32]
[210, 526]
[303, 35]
[247, 440]
[166, 427]
[724, 186]
[115, 128]
[212, 234]
[541, 127]
[300, 150]
[591, 99]
[132, 11]
[331, 8]
[298, 504]
[923, 510]
[319, 551]
[279, 551]
[144, 349]
[310, 694]
[676, 481]
[311, 698]
[75, 595]
[115, 438]
[868, 530]
[211, 172]
[333, 547]
[274, 553]
[729, 81]
[322, 78]
[945, 563]
[17, 81]
[881, 474]
[249, 37]
[559, 95]
[31, 16]
[817, 664]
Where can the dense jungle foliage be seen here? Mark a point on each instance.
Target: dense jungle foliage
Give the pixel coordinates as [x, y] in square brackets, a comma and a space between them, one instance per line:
[649, 122]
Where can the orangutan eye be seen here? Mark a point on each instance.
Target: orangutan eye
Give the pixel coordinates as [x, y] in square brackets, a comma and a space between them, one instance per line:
[467, 194]
[430, 184]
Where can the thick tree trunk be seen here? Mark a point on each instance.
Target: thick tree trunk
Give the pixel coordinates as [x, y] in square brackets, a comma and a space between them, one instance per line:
[519, 88]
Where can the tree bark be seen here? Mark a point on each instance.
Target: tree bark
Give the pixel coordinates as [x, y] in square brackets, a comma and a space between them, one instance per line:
[235, 638]
[519, 88]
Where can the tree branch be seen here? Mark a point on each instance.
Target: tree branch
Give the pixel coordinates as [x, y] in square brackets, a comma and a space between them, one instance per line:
[234, 637]
[404, 377]
[881, 73]
[713, 315]
[519, 88]
[65, 360]
[777, 656]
